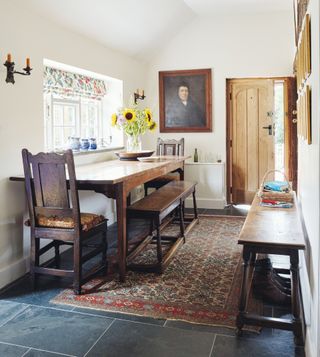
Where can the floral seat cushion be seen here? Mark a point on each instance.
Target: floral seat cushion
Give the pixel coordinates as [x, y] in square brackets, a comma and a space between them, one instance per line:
[88, 221]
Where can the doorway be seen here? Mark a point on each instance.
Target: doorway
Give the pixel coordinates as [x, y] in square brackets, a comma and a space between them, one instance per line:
[260, 134]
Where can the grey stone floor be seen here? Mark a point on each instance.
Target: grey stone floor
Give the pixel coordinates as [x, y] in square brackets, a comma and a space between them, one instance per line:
[31, 326]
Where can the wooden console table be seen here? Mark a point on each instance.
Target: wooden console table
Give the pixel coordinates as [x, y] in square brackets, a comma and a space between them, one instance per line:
[272, 231]
[115, 179]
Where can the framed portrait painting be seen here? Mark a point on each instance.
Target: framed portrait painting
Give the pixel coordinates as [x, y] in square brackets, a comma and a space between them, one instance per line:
[185, 101]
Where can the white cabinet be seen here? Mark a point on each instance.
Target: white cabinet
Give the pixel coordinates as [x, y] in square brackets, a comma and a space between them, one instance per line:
[210, 191]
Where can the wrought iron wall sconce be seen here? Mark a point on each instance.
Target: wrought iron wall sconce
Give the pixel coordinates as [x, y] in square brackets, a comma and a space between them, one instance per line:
[139, 94]
[11, 72]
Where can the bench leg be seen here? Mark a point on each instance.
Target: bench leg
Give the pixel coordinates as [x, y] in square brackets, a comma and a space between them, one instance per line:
[195, 209]
[244, 290]
[159, 246]
[295, 300]
[181, 215]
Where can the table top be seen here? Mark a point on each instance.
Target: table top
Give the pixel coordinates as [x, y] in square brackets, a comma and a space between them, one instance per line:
[273, 226]
[114, 171]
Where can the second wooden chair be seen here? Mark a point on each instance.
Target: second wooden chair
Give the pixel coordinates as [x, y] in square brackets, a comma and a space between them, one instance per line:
[166, 147]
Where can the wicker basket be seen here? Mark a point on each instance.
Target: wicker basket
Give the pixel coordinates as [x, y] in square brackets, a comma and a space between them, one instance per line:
[274, 195]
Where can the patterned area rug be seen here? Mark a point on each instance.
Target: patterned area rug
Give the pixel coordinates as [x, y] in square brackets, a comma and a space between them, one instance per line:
[201, 284]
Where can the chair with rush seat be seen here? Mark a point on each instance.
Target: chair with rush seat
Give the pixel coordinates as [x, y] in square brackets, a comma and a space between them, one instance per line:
[166, 147]
[54, 211]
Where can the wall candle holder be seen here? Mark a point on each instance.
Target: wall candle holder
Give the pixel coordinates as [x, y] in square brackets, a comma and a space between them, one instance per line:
[11, 72]
[139, 94]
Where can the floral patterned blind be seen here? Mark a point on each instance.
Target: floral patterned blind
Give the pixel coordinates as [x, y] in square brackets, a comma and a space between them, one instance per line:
[69, 84]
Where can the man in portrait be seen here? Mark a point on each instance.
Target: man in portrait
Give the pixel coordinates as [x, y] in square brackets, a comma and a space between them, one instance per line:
[182, 110]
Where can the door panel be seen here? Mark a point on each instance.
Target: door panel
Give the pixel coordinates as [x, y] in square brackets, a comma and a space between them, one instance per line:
[252, 152]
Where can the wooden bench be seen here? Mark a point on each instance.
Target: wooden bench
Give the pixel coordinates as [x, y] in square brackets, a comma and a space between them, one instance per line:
[272, 231]
[157, 206]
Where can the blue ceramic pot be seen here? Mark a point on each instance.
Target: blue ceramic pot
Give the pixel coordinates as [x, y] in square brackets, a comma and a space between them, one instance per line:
[74, 143]
[85, 144]
[93, 144]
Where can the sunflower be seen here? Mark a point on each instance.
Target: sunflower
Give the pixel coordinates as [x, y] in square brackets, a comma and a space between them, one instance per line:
[114, 119]
[148, 114]
[129, 114]
[152, 126]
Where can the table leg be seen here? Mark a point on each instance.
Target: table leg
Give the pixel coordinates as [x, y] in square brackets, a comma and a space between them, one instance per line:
[121, 201]
[244, 290]
[295, 299]
[181, 173]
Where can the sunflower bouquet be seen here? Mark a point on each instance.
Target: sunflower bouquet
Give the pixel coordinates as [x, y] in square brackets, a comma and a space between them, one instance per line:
[135, 122]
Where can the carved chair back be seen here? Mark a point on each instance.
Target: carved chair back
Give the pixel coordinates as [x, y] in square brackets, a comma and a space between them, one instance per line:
[170, 147]
[46, 180]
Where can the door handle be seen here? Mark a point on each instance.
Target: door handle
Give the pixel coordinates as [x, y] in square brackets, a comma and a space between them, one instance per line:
[269, 127]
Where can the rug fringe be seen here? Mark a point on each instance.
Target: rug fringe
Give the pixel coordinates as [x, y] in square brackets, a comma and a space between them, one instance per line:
[245, 328]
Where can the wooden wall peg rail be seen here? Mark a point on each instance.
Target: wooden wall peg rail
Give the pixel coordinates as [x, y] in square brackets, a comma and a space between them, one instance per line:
[272, 231]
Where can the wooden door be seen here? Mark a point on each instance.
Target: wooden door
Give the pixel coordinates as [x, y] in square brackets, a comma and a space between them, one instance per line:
[251, 134]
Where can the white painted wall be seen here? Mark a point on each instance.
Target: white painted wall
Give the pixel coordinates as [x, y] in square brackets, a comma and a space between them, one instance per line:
[254, 45]
[242, 46]
[21, 115]
[308, 180]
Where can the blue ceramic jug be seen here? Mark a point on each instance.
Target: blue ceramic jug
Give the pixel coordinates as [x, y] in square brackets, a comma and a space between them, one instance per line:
[85, 144]
[93, 144]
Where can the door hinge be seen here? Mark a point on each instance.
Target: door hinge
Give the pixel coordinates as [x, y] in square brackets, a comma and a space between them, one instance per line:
[231, 189]
[231, 143]
[230, 95]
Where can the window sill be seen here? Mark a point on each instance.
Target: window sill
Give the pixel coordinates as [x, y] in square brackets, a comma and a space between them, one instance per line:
[97, 151]
[88, 152]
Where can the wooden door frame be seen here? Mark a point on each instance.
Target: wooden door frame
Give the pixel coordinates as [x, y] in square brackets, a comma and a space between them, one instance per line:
[289, 98]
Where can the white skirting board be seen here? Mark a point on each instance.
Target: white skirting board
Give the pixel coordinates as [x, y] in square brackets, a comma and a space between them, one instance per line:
[211, 203]
[13, 271]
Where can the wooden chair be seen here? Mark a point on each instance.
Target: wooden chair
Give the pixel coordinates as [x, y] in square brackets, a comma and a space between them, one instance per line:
[166, 147]
[53, 217]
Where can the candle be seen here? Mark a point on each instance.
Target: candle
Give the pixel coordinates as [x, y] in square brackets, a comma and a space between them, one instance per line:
[27, 62]
[9, 57]
[142, 92]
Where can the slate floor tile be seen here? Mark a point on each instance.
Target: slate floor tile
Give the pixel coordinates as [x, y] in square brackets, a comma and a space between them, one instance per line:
[8, 309]
[227, 346]
[120, 316]
[149, 340]
[47, 288]
[12, 351]
[39, 353]
[54, 330]
[197, 327]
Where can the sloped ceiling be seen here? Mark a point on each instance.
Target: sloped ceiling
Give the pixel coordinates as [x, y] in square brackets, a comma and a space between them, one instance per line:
[138, 28]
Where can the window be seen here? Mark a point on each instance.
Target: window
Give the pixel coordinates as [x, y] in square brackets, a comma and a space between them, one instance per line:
[69, 117]
[77, 105]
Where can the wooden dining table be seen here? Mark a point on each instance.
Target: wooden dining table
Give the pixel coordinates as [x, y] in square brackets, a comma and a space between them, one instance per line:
[115, 179]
